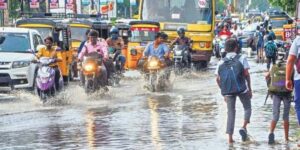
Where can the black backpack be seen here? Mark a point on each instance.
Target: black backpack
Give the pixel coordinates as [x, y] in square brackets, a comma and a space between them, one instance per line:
[232, 78]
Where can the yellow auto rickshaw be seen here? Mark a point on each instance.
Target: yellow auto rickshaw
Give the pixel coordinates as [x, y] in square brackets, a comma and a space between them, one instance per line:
[48, 26]
[141, 33]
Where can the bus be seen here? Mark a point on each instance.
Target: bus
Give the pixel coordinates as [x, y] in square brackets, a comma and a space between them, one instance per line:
[196, 16]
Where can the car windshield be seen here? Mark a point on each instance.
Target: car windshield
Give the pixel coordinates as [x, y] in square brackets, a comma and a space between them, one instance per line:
[8, 42]
[278, 23]
[140, 36]
[78, 34]
[184, 11]
[44, 32]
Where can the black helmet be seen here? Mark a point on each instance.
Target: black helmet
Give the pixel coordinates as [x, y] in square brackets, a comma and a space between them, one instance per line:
[180, 30]
[114, 30]
[93, 33]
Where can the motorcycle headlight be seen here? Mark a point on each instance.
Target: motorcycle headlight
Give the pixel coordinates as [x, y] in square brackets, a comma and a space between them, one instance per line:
[89, 67]
[153, 64]
[178, 53]
[20, 64]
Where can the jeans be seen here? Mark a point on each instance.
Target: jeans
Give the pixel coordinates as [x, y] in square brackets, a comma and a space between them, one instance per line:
[231, 100]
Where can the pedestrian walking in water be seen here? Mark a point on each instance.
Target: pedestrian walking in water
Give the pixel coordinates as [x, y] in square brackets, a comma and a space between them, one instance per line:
[234, 81]
[276, 88]
[293, 64]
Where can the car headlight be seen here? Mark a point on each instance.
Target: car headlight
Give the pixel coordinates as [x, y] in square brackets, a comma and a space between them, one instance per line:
[20, 64]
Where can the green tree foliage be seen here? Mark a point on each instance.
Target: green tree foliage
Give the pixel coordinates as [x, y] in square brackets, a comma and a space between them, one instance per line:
[220, 5]
[13, 7]
[286, 5]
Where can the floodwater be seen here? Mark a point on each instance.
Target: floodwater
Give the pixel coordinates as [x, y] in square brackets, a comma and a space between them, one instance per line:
[192, 115]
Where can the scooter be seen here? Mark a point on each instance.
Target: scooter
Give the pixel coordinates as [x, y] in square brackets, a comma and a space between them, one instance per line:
[45, 79]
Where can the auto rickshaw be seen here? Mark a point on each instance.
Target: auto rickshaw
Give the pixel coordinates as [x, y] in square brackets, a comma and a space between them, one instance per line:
[48, 26]
[141, 33]
[277, 21]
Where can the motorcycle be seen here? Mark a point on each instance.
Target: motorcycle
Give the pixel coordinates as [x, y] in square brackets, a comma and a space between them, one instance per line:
[219, 45]
[90, 70]
[157, 75]
[283, 48]
[180, 58]
[45, 79]
[117, 69]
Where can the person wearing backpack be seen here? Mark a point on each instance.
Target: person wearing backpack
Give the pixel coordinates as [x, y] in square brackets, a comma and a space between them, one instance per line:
[233, 79]
[270, 51]
[293, 63]
[276, 88]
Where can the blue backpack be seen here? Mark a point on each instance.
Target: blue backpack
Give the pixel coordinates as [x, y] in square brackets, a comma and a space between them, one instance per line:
[232, 79]
[270, 49]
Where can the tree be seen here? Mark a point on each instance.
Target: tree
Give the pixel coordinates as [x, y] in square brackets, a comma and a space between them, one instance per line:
[220, 5]
[286, 5]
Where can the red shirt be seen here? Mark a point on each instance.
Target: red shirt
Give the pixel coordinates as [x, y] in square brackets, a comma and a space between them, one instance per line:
[225, 32]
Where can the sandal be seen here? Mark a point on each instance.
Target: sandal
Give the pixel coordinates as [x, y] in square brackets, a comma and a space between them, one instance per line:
[243, 133]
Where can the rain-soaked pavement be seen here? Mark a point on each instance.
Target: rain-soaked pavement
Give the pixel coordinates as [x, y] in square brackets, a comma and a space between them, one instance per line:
[192, 115]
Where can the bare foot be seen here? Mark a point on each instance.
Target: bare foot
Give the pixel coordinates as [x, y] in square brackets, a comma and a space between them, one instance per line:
[231, 141]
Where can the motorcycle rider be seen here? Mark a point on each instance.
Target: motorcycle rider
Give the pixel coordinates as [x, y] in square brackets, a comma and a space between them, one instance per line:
[116, 44]
[225, 30]
[95, 45]
[183, 41]
[54, 53]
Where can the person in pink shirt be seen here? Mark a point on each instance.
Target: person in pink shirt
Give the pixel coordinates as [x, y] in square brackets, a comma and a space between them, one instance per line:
[95, 45]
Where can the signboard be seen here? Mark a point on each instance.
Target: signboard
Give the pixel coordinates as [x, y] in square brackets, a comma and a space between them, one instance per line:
[289, 33]
[3, 4]
[69, 4]
[120, 1]
[34, 4]
[202, 3]
[53, 4]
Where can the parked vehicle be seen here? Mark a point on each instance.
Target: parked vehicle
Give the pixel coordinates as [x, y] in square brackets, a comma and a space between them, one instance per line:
[16, 69]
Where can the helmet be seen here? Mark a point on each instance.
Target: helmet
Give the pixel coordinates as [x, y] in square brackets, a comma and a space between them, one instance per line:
[180, 30]
[114, 30]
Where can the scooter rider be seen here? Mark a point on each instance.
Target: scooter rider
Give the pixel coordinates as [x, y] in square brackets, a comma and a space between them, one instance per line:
[116, 44]
[183, 41]
[94, 45]
[52, 52]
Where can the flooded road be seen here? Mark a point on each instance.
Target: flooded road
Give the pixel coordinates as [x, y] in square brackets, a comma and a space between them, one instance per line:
[190, 116]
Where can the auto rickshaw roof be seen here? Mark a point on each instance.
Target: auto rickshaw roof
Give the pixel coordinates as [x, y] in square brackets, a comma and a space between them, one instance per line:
[36, 21]
[144, 22]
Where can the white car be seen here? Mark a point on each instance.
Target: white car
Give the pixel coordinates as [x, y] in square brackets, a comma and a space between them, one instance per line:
[16, 69]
